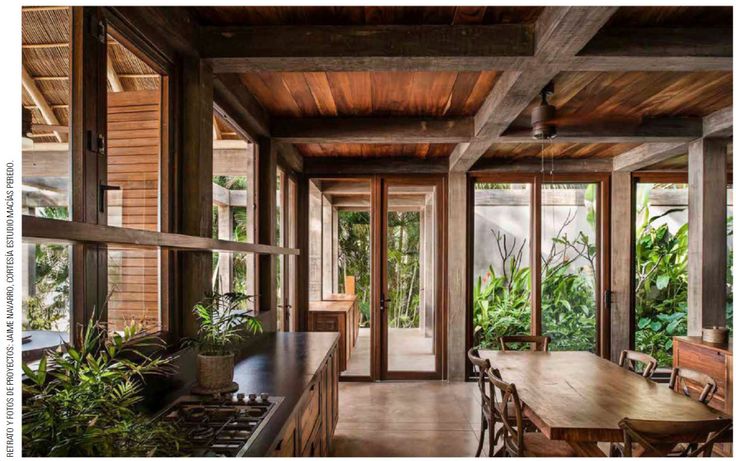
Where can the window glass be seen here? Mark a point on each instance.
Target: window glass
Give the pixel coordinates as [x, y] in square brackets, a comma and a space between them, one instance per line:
[133, 155]
[660, 272]
[46, 107]
[569, 266]
[46, 297]
[501, 257]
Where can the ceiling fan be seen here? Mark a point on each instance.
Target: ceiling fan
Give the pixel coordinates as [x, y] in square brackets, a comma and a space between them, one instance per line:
[545, 120]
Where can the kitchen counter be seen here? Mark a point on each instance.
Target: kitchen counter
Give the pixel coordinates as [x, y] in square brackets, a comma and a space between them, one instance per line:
[282, 364]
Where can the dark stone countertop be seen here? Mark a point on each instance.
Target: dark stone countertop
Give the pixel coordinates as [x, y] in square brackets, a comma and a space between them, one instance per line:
[282, 364]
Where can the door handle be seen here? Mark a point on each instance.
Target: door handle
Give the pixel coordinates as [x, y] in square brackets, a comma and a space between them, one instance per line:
[103, 189]
[384, 300]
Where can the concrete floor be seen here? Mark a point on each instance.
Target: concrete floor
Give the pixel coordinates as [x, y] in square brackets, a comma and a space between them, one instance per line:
[408, 350]
[420, 418]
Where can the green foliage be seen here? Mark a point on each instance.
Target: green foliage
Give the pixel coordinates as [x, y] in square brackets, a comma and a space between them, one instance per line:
[353, 257]
[403, 269]
[50, 302]
[501, 301]
[501, 305]
[223, 323]
[83, 402]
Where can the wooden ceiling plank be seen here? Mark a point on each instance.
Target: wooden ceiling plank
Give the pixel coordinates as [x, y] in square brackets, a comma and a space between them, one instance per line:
[559, 32]
[239, 107]
[320, 88]
[647, 155]
[40, 101]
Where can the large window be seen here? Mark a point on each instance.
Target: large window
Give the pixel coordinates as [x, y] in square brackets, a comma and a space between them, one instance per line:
[660, 274]
[554, 229]
[569, 265]
[133, 185]
[233, 208]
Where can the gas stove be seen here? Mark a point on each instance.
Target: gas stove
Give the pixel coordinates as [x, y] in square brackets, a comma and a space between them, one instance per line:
[222, 425]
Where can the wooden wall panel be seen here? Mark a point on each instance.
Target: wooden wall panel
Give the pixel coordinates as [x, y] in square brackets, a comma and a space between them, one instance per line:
[134, 145]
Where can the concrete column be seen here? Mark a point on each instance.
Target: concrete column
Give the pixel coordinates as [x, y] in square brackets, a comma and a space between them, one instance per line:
[456, 275]
[707, 248]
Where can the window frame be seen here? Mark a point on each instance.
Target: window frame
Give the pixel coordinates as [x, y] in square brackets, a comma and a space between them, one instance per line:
[536, 180]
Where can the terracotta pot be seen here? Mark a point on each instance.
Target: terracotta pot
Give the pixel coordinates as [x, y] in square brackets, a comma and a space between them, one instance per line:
[215, 372]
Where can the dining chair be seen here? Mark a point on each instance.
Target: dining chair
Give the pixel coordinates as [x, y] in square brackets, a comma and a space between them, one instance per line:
[517, 441]
[541, 343]
[630, 359]
[659, 438]
[487, 418]
[683, 378]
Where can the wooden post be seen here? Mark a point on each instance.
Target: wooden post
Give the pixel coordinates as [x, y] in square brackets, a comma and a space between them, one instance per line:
[196, 185]
[303, 261]
[456, 274]
[707, 247]
[622, 263]
[326, 208]
[266, 213]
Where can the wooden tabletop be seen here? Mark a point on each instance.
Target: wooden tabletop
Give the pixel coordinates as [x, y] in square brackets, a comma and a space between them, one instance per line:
[330, 306]
[580, 397]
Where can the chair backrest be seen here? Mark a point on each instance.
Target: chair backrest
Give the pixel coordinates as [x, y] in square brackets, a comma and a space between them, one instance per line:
[652, 435]
[483, 366]
[541, 342]
[509, 413]
[629, 359]
[683, 378]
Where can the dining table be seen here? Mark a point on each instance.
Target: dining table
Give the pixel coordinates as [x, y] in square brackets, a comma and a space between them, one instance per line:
[580, 397]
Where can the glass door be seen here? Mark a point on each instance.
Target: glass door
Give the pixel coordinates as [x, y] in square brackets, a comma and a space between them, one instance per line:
[410, 302]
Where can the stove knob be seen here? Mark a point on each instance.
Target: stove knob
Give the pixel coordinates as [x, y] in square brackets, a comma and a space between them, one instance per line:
[241, 397]
[251, 397]
[264, 396]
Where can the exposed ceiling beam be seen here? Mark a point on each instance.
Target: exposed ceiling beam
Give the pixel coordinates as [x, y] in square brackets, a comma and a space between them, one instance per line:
[393, 47]
[678, 42]
[40, 101]
[719, 124]
[234, 103]
[288, 155]
[559, 32]
[577, 165]
[647, 155]
[389, 130]
[457, 48]
[321, 166]
[666, 129]
[112, 77]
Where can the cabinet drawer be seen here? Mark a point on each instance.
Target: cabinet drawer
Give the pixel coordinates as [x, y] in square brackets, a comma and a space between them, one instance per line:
[286, 446]
[310, 414]
[708, 361]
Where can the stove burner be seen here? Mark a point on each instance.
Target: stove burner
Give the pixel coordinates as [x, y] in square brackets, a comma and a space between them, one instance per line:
[222, 425]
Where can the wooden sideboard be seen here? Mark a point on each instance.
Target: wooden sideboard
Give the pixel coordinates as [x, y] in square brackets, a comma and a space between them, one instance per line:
[340, 313]
[715, 360]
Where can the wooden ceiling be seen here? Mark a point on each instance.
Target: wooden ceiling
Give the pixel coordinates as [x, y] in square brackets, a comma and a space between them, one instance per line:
[363, 15]
[671, 16]
[556, 150]
[422, 151]
[331, 94]
[592, 98]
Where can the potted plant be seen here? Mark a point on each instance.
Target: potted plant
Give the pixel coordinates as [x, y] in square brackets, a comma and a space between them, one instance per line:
[223, 325]
[83, 401]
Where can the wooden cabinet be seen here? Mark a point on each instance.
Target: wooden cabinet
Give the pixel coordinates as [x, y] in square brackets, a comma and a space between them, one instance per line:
[337, 315]
[286, 447]
[311, 428]
[714, 360]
